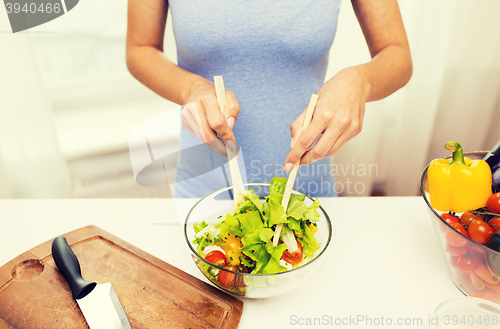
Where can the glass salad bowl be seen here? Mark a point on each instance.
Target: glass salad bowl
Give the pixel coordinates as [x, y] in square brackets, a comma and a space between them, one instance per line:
[482, 282]
[216, 204]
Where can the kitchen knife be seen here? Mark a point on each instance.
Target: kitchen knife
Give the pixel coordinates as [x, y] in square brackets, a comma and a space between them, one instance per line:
[98, 302]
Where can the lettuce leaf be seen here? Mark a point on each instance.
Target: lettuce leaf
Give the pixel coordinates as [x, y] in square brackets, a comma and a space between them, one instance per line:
[277, 215]
[276, 188]
[250, 222]
[230, 225]
[205, 235]
[266, 236]
[296, 207]
[300, 197]
[284, 229]
[312, 213]
[259, 248]
[294, 225]
[244, 207]
[245, 261]
[274, 199]
[278, 185]
[273, 265]
[198, 227]
[255, 249]
[254, 199]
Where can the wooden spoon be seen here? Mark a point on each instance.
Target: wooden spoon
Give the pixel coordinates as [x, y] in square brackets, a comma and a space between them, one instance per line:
[293, 173]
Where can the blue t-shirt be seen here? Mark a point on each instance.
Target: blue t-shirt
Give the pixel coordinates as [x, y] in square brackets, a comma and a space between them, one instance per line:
[273, 55]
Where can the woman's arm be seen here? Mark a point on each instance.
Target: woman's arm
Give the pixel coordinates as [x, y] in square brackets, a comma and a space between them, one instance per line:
[144, 52]
[148, 64]
[382, 26]
[341, 105]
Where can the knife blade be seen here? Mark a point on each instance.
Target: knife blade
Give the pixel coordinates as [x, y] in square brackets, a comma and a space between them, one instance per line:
[99, 303]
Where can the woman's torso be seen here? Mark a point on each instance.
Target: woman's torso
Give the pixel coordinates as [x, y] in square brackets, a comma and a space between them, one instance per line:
[273, 55]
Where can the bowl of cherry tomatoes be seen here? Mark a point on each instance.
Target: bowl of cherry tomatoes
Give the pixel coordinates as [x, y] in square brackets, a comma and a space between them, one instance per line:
[470, 242]
[236, 279]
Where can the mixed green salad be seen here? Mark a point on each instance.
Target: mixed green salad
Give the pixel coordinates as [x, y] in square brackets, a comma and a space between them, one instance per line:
[243, 240]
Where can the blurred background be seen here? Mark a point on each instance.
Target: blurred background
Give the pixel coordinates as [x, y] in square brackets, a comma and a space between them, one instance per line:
[68, 103]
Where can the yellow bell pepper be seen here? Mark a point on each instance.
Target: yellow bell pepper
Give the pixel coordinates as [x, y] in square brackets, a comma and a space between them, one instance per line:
[231, 246]
[458, 185]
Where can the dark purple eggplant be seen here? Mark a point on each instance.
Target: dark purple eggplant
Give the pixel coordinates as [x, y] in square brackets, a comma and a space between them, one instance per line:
[493, 159]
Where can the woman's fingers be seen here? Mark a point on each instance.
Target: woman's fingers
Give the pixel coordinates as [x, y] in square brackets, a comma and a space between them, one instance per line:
[195, 121]
[204, 118]
[215, 119]
[232, 109]
[303, 143]
[191, 121]
[296, 128]
[207, 110]
[339, 130]
[322, 148]
[332, 127]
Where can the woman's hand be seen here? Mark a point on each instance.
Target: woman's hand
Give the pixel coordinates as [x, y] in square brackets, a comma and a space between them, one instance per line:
[338, 118]
[202, 117]
[341, 104]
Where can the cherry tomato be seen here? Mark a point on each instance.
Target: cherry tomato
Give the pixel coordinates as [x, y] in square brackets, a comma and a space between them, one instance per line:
[468, 262]
[294, 257]
[480, 232]
[455, 239]
[468, 217]
[450, 219]
[216, 257]
[457, 251]
[227, 279]
[493, 203]
[495, 223]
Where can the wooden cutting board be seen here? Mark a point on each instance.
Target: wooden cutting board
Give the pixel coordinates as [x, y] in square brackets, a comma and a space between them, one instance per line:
[154, 294]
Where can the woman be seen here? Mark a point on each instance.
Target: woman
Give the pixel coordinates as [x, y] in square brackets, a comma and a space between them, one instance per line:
[273, 56]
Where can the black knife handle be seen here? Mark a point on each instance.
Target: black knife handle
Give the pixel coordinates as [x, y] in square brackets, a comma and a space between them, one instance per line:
[69, 266]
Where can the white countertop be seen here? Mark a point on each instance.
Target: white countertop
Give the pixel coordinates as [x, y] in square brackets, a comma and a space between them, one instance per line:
[384, 262]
